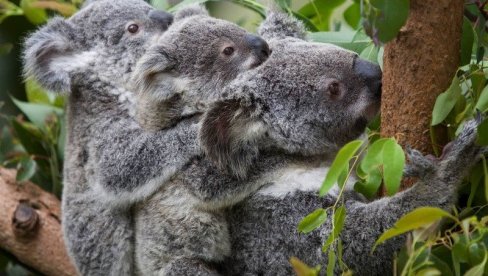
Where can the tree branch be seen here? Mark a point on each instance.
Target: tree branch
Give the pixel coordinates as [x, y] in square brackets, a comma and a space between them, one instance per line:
[30, 226]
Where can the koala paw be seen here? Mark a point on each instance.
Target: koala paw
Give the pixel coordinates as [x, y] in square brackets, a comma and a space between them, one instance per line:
[419, 165]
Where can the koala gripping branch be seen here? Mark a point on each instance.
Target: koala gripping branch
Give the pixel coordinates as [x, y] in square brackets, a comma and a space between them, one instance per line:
[30, 226]
[419, 65]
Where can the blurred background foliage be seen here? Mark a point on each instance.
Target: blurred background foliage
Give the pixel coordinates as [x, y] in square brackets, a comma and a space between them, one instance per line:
[32, 120]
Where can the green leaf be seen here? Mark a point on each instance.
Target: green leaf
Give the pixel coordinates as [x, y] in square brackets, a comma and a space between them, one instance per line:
[430, 271]
[35, 93]
[352, 15]
[467, 40]
[482, 138]
[386, 17]
[320, 12]
[478, 270]
[5, 48]
[394, 162]
[7, 9]
[419, 217]
[445, 102]
[302, 269]
[35, 15]
[354, 41]
[482, 103]
[37, 113]
[370, 187]
[26, 169]
[331, 262]
[340, 162]
[160, 4]
[374, 156]
[339, 219]
[312, 221]
[370, 53]
[29, 136]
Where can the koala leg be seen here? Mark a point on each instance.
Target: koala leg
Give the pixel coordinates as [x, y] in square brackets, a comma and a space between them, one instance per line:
[169, 228]
[437, 186]
[188, 267]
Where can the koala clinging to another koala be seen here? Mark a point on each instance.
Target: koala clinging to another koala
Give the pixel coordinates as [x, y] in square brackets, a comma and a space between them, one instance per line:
[287, 119]
[310, 98]
[195, 58]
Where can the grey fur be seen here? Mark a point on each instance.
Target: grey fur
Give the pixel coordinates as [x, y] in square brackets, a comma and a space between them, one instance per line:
[263, 227]
[110, 160]
[268, 121]
[183, 222]
[188, 67]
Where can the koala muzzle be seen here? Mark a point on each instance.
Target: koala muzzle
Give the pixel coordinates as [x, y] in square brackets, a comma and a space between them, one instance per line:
[370, 73]
[162, 18]
[259, 47]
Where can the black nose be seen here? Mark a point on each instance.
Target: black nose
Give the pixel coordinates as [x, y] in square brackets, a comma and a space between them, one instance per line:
[370, 73]
[161, 17]
[258, 46]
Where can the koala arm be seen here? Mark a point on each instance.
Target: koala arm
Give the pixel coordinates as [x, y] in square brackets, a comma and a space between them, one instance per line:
[365, 222]
[131, 163]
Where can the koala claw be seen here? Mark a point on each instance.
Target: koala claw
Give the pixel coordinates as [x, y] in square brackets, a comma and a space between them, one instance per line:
[419, 165]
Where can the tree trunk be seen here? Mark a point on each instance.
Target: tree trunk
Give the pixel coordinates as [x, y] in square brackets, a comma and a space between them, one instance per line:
[419, 65]
[30, 226]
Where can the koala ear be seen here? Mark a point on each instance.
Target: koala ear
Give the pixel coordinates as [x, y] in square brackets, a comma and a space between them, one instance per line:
[191, 10]
[229, 135]
[50, 55]
[158, 99]
[280, 25]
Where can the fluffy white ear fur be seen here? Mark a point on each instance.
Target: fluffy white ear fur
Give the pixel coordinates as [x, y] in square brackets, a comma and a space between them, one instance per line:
[280, 25]
[50, 55]
[191, 10]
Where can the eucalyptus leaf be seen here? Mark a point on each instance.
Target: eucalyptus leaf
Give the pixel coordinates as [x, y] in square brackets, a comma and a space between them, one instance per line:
[312, 221]
[26, 169]
[394, 162]
[340, 162]
[445, 102]
[467, 40]
[37, 113]
[35, 15]
[419, 217]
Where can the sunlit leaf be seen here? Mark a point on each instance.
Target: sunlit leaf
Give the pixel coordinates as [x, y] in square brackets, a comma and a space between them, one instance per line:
[354, 41]
[340, 162]
[8, 8]
[35, 15]
[302, 269]
[312, 221]
[65, 9]
[482, 104]
[419, 217]
[37, 113]
[352, 15]
[370, 53]
[331, 262]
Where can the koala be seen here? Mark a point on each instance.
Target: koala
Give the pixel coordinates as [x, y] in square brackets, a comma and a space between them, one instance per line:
[308, 99]
[196, 57]
[111, 161]
[256, 133]
[189, 65]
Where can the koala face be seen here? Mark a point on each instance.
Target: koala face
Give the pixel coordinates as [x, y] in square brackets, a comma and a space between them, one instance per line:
[307, 98]
[191, 64]
[105, 37]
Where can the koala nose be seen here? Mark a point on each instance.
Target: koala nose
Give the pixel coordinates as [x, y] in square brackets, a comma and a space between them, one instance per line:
[161, 17]
[370, 73]
[258, 46]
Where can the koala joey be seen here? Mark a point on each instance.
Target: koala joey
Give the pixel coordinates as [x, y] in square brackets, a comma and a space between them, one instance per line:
[308, 99]
[196, 57]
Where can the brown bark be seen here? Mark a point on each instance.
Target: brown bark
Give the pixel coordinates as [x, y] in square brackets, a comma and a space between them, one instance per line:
[30, 226]
[419, 65]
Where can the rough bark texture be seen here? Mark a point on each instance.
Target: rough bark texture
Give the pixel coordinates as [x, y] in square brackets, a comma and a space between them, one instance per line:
[30, 226]
[419, 65]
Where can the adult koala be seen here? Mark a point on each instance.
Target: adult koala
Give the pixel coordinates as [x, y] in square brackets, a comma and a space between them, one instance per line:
[111, 162]
[309, 98]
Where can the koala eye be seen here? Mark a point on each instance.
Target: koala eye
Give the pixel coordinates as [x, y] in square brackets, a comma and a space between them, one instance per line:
[228, 51]
[133, 28]
[333, 89]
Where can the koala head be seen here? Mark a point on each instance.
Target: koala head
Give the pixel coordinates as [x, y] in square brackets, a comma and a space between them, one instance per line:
[105, 37]
[307, 99]
[192, 61]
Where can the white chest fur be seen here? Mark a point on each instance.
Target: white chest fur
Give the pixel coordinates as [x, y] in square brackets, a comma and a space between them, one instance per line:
[306, 179]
